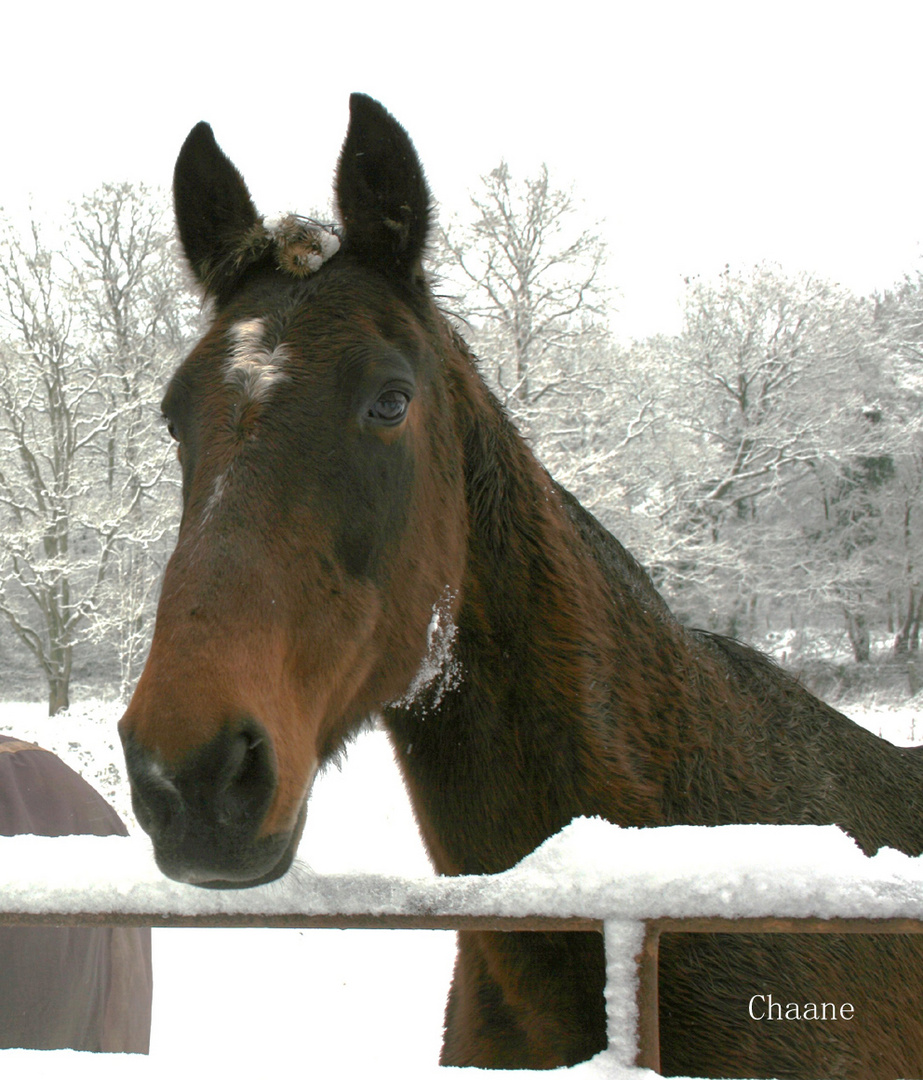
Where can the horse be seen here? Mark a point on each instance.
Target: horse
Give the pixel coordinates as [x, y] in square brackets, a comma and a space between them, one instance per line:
[67, 987]
[365, 533]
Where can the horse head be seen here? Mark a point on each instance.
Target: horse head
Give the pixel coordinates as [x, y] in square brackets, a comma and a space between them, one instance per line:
[323, 525]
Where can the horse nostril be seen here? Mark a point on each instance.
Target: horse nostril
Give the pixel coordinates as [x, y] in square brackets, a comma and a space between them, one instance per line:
[239, 758]
[247, 777]
[214, 799]
[157, 803]
[161, 811]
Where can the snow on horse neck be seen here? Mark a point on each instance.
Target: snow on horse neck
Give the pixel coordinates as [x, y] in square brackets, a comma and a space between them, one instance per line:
[439, 670]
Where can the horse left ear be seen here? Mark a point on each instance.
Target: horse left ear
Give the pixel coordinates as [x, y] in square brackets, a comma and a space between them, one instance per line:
[218, 225]
[381, 191]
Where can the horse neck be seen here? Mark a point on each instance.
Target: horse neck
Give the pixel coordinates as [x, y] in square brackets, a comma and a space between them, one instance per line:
[518, 747]
[575, 691]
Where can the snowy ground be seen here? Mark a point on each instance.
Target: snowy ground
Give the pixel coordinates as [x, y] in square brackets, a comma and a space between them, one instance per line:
[902, 726]
[257, 1002]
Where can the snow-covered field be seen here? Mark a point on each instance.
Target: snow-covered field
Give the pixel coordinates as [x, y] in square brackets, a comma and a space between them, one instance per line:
[268, 1002]
[902, 726]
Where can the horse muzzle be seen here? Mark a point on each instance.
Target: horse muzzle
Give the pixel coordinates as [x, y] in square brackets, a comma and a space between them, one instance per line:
[204, 816]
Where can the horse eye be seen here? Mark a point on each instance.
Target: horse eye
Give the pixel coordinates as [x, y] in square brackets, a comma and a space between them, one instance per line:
[391, 407]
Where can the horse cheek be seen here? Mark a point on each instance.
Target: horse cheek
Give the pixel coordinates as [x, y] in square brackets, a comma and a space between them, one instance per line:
[367, 495]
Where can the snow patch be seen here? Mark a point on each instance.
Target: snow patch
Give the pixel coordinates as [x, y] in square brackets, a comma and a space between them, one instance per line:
[624, 941]
[591, 869]
[439, 670]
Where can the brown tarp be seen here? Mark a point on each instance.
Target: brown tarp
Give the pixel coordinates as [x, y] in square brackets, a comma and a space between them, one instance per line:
[77, 988]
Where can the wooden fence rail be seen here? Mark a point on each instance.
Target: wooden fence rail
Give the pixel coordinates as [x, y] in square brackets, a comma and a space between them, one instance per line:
[632, 900]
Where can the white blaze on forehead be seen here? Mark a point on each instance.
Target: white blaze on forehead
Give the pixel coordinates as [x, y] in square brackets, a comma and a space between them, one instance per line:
[215, 498]
[252, 366]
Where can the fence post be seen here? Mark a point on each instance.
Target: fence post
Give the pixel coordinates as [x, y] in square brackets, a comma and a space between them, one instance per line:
[624, 945]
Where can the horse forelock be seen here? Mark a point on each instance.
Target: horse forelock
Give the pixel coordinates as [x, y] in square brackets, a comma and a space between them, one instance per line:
[295, 245]
[302, 245]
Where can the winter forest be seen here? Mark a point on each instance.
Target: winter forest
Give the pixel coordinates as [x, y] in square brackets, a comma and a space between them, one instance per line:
[765, 463]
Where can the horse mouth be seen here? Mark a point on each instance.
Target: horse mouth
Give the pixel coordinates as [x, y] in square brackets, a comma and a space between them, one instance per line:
[206, 817]
[258, 863]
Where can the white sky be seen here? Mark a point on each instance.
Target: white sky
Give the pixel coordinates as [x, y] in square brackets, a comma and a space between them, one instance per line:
[696, 133]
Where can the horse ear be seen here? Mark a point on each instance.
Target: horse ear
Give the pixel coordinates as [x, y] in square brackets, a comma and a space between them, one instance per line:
[381, 191]
[218, 225]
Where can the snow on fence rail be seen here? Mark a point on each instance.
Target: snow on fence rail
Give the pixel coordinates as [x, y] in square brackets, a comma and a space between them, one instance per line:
[631, 884]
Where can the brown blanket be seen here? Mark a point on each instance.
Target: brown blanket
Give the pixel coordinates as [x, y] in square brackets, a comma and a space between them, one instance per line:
[81, 988]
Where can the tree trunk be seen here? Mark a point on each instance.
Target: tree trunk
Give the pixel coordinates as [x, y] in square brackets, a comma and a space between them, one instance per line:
[913, 641]
[59, 677]
[914, 680]
[907, 637]
[58, 695]
[857, 628]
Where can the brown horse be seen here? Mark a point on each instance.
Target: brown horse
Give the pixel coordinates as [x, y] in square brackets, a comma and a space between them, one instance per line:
[364, 532]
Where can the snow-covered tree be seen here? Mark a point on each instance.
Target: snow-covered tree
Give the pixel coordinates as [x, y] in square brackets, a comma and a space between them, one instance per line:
[139, 314]
[527, 281]
[760, 411]
[525, 277]
[90, 325]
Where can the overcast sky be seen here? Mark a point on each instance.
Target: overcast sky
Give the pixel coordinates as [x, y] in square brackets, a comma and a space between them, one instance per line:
[696, 134]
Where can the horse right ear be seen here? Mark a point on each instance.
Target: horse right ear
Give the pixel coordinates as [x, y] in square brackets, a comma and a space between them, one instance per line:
[218, 225]
[384, 202]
